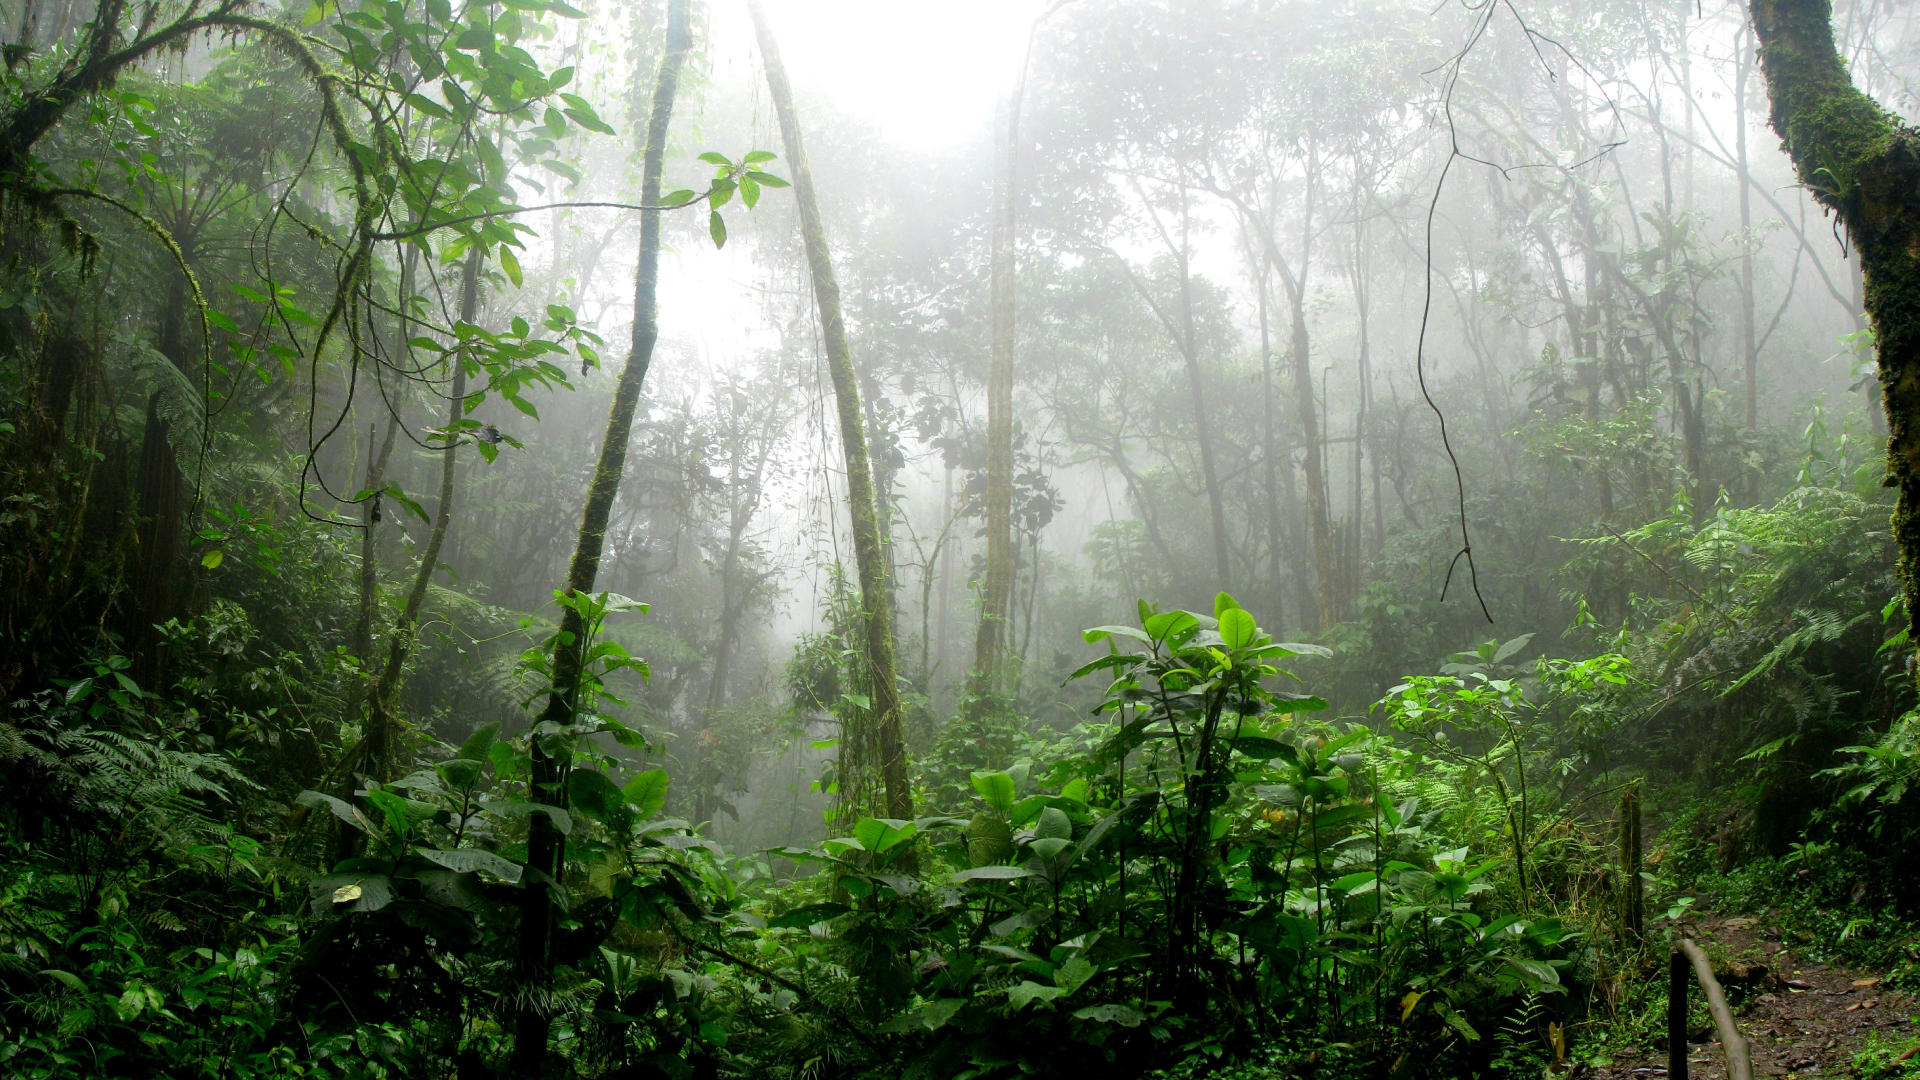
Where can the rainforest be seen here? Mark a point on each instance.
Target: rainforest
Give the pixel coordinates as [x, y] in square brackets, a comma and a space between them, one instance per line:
[856, 539]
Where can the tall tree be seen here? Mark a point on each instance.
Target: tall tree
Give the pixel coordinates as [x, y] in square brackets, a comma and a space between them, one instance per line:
[990, 642]
[376, 754]
[1862, 163]
[886, 714]
[534, 968]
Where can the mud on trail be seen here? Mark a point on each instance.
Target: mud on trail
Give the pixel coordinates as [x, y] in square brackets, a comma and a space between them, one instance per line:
[1801, 1017]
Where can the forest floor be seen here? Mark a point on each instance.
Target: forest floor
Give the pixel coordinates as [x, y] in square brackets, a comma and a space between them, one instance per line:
[1801, 1017]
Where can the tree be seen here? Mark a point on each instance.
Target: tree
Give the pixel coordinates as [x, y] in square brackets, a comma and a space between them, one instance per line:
[996, 590]
[1863, 164]
[886, 715]
[545, 847]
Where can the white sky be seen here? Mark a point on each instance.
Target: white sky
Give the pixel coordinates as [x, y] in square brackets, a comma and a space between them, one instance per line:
[926, 72]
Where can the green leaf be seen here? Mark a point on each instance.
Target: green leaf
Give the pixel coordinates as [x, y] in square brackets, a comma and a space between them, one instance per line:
[1223, 603]
[714, 157]
[1304, 703]
[1237, 629]
[1111, 1014]
[997, 789]
[560, 818]
[222, 321]
[1054, 824]
[65, 978]
[678, 198]
[994, 873]
[1260, 749]
[883, 834]
[1302, 649]
[510, 264]
[1511, 647]
[807, 915]
[589, 791]
[79, 690]
[341, 809]
[755, 157]
[765, 179]
[989, 839]
[1100, 632]
[458, 774]
[468, 860]
[1028, 992]
[212, 559]
[717, 228]
[647, 792]
[481, 741]
[1169, 624]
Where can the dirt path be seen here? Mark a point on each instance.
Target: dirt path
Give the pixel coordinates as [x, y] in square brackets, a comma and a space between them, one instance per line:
[1801, 1017]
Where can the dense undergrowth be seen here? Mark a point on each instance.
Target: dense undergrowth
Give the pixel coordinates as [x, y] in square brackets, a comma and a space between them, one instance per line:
[1217, 873]
[285, 759]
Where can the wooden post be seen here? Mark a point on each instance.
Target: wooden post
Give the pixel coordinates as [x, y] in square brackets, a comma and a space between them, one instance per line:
[1678, 976]
[1632, 913]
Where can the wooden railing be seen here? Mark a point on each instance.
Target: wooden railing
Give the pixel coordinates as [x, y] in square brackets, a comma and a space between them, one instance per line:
[1687, 953]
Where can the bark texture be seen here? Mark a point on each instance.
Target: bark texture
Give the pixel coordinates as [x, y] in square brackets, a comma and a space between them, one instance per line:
[1864, 165]
[534, 965]
[887, 717]
[989, 646]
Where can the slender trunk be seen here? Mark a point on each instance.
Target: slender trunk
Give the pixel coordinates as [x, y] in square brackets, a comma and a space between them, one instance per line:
[990, 641]
[162, 508]
[1743, 65]
[1270, 454]
[162, 490]
[1309, 414]
[743, 501]
[1749, 348]
[360, 643]
[1203, 423]
[1862, 163]
[377, 750]
[871, 559]
[534, 964]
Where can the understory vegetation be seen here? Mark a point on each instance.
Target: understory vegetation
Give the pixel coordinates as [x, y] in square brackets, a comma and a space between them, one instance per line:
[1309, 540]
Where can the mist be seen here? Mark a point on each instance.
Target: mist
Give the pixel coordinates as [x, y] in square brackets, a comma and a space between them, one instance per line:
[1171, 538]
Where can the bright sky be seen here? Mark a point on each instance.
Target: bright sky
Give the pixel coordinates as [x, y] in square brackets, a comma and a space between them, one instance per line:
[927, 72]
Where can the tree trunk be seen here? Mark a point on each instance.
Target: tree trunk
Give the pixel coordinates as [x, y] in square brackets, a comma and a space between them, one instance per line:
[162, 491]
[1743, 64]
[871, 559]
[1203, 425]
[1269, 455]
[360, 642]
[1309, 416]
[1863, 164]
[534, 965]
[989, 644]
[377, 747]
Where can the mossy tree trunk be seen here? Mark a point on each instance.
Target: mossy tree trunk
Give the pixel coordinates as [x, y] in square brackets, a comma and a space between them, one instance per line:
[1863, 164]
[886, 714]
[545, 850]
[990, 642]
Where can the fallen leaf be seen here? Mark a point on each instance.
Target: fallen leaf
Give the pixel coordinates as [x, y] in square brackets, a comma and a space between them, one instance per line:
[346, 893]
[1866, 982]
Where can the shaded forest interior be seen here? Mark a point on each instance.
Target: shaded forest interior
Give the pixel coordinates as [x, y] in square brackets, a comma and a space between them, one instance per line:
[815, 539]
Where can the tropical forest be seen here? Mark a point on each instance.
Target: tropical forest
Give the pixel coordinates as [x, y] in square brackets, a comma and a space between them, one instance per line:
[938, 540]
